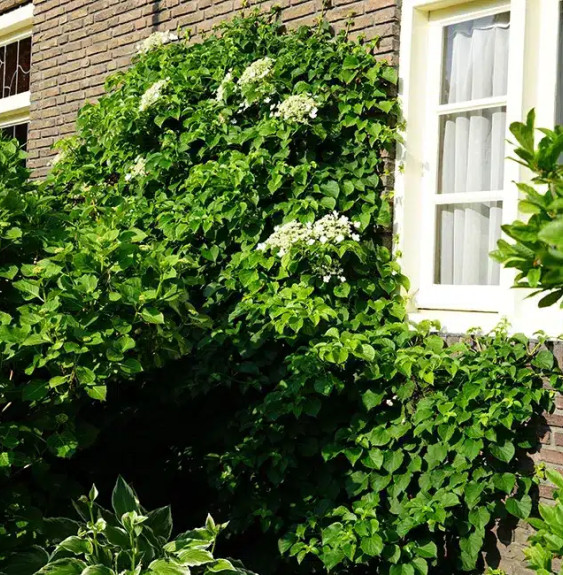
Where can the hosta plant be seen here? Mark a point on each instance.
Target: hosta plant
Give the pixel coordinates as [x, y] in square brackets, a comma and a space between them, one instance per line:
[126, 541]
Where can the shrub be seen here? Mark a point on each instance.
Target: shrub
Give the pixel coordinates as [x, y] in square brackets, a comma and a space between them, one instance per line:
[128, 541]
[225, 203]
[537, 251]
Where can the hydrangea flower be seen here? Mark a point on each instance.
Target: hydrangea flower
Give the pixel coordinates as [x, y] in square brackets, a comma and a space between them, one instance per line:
[137, 169]
[255, 72]
[155, 40]
[330, 229]
[152, 95]
[298, 108]
[223, 86]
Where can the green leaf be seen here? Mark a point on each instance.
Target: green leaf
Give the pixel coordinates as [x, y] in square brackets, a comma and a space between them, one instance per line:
[98, 570]
[427, 551]
[555, 477]
[194, 556]
[331, 189]
[211, 253]
[371, 399]
[98, 392]
[63, 567]
[520, 508]
[552, 233]
[167, 567]
[544, 360]
[403, 569]
[160, 521]
[26, 562]
[350, 62]
[504, 452]
[76, 545]
[152, 315]
[372, 545]
[123, 498]
[479, 517]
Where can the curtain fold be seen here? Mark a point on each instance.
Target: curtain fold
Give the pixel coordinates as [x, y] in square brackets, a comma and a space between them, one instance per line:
[472, 151]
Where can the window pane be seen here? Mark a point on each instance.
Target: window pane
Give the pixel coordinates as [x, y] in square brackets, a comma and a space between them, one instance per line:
[475, 60]
[472, 151]
[24, 65]
[19, 131]
[466, 233]
[15, 62]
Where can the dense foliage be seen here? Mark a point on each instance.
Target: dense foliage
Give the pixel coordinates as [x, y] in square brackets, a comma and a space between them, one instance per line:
[127, 541]
[224, 206]
[546, 545]
[537, 252]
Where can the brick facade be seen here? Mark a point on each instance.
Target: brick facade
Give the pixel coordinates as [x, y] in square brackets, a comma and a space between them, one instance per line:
[77, 43]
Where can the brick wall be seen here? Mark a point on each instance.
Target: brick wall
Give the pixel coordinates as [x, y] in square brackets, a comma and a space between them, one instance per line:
[77, 43]
[7, 5]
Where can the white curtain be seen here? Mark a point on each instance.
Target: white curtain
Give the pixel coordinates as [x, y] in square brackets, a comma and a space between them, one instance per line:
[472, 152]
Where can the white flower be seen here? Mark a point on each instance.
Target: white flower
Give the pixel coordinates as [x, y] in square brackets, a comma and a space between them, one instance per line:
[267, 100]
[326, 279]
[332, 228]
[223, 86]
[297, 108]
[255, 72]
[342, 279]
[389, 402]
[137, 170]
[357, 225]
[155, 40]
[261, 246]
[152, 95]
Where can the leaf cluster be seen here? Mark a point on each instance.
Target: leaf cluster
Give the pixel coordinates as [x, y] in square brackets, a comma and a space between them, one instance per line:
[537, 251]
[546, 545]
[129, 540]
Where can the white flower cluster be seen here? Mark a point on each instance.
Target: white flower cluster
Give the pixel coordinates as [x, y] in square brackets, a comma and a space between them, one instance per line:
[332, 228]
[256, 71]
[223, 86]
[137, 169]
[155, 41]
[297, 108]
[329, 272]
[152, 95]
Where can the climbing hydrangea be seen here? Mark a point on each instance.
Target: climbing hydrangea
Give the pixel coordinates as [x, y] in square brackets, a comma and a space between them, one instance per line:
[137, 170]
[298, 108]
[258, 70]
[155, 41]
[152, 95]
[332, 228]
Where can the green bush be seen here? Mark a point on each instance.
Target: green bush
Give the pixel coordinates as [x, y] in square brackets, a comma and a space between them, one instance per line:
[537, 252]
[128, 541]
[224, 204]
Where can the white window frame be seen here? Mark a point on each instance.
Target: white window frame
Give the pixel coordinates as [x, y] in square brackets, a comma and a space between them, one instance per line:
[532, 77]
[15, 25]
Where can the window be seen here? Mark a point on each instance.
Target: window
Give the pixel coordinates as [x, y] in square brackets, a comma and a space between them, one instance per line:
[15, 68]
[467, 70]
